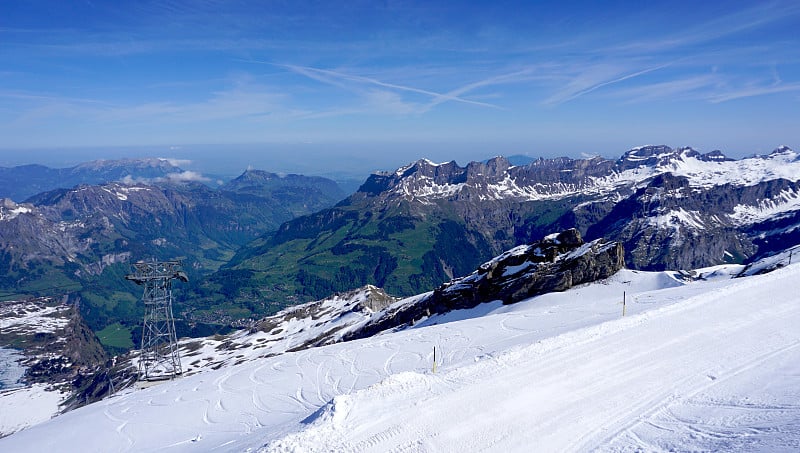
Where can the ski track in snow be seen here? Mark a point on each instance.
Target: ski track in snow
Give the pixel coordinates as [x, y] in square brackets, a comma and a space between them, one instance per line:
[747, 422]
[601, 378]
[562, 372]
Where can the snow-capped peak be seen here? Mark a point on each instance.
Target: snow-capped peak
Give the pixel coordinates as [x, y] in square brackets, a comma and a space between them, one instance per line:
[563, 177]
[783, 150]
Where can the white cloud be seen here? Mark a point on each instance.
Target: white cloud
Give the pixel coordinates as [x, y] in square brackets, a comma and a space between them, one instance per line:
[595, 77]
[177, 177]
[696, 87]
[175, 162]
[186, 176]
[337, 78]
[750, 91]
[129, 180]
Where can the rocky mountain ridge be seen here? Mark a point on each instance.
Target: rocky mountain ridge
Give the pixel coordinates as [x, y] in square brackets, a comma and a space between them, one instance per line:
[564, 177]
[671, 208]
[56, 348]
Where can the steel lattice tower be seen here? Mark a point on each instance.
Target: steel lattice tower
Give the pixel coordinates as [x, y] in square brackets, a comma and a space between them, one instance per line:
[159, 357]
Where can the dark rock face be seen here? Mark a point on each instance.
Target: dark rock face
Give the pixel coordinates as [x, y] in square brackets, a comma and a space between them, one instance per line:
[670, 225]
[555, 263]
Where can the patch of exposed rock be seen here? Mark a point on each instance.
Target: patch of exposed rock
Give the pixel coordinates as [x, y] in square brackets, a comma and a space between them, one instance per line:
[556, 263]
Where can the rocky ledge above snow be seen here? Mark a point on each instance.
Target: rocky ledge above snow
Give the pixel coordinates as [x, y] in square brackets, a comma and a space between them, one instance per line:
[555, 263]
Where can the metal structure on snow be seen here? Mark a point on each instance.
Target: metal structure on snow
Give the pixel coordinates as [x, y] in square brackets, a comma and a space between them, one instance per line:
[159, 357]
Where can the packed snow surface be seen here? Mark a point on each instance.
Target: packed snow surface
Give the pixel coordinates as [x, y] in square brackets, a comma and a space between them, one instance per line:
[708, 365]
[24, 407]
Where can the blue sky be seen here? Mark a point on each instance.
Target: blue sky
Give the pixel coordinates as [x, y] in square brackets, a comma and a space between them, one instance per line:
[392, 81]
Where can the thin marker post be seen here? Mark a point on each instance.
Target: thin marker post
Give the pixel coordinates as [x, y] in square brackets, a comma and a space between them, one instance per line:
[623, 303]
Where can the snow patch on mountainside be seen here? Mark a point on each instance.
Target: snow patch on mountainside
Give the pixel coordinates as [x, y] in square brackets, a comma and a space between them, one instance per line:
[746, 172]
[29, 316]
[10, 210]
[784, 202]
[705, 174]
[677, 219]
[703, 171]
[508, 188]
[425, 187]
[296, 327]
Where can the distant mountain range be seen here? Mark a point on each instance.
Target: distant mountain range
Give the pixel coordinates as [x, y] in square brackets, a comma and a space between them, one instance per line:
[21, 182]
[410, 230]
[82, 239]
[450, 237]
[262, 241]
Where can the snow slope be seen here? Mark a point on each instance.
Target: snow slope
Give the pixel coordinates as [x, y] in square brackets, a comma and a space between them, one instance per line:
[21, 408]
[705, 365]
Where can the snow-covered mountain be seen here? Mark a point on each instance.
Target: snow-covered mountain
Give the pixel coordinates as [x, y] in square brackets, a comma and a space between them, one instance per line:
[550, 179]
[670, 208]
[695, 364]
[321, 375]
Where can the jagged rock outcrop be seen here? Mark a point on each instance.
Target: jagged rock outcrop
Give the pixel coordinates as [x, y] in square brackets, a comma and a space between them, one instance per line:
[556, 263]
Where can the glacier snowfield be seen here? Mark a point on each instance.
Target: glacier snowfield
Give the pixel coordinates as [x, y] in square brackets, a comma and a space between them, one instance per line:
[694, 365]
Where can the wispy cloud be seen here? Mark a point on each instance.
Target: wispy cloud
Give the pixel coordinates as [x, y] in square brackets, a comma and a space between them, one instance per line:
[176, 162]
[514, 77]
[186, 176]
[595, 77]
[245, 102]
[751, 91]
[177, 177]
[694, 87]
[334, 78]
[764, 13]
[688, 57]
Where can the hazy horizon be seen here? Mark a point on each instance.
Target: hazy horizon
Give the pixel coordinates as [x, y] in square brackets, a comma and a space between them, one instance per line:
[447, 80]
[340, 160]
